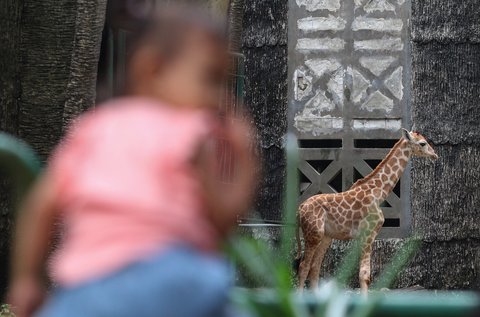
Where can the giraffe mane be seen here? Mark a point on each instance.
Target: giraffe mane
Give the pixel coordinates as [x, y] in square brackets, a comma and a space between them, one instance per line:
[379, 166]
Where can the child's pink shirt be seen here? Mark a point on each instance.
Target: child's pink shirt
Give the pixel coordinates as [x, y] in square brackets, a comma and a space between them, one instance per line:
[127, 187]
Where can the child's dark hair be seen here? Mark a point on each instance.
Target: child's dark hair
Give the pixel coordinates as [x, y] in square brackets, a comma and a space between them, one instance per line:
[166, 26]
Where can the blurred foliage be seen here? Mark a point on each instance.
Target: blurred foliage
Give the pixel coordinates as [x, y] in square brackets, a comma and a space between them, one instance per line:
[5, 311]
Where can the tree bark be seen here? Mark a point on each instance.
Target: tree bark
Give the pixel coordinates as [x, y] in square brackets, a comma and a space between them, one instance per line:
[81, 88]
[265, 50]
[48, 75]
[9, 64]
[9, 104]
[445, 98]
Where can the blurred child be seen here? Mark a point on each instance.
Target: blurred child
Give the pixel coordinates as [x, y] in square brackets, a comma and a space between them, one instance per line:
[135, 186]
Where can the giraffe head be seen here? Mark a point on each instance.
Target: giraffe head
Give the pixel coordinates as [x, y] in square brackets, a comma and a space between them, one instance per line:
[419, 145]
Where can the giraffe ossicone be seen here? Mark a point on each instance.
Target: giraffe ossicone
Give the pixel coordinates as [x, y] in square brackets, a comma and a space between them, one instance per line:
[345, 215]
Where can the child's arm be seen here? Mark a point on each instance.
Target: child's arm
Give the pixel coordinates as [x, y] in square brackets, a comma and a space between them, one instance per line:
[35, 224]
[226, 201]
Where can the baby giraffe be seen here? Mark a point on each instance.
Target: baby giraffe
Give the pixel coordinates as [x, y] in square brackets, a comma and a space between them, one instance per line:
[345, 215]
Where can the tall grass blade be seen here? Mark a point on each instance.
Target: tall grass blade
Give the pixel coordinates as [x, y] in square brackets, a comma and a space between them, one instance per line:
[290, 199]
[400, 260]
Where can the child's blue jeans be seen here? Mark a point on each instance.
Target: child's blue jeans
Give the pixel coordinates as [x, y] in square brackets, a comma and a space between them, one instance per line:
[178, 283]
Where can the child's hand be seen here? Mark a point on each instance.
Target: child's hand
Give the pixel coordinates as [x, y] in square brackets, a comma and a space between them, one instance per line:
[240, 136]
[25, 296]
[35, 225]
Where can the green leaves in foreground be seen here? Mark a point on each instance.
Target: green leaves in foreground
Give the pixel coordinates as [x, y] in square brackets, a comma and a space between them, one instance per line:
[5, 311]
[398, 263]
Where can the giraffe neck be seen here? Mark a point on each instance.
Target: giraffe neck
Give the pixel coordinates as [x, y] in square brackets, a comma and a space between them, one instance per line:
[389, 171]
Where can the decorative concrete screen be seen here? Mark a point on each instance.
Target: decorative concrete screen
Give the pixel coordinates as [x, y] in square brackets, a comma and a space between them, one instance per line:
[349, 62]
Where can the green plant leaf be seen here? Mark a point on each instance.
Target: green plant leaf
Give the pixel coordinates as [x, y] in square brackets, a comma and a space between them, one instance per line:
[398, 263]
[255, 256]
[290, 200]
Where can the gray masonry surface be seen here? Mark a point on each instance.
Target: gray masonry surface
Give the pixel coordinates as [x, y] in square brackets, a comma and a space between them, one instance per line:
[347, 57]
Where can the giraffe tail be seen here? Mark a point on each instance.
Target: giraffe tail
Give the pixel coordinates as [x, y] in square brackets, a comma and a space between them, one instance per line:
[298, 258]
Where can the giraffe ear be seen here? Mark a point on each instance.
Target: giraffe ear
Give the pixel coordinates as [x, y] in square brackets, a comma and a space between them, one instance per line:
[406, 134]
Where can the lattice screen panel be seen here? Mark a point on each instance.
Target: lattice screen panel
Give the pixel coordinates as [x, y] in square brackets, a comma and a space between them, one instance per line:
[349, 94]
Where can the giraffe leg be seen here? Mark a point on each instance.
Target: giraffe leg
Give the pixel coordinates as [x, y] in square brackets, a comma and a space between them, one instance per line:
[314, 274]
[310, 248]
[367, 242]
[364, 274]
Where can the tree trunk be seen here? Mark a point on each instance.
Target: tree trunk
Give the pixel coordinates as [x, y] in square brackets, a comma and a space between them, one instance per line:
[265, 49]
[48, 75]
[9, 104]
[81, 87]
[446, 93]
[9, 64]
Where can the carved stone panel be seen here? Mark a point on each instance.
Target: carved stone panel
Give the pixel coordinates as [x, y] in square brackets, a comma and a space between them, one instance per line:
[349, 71]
